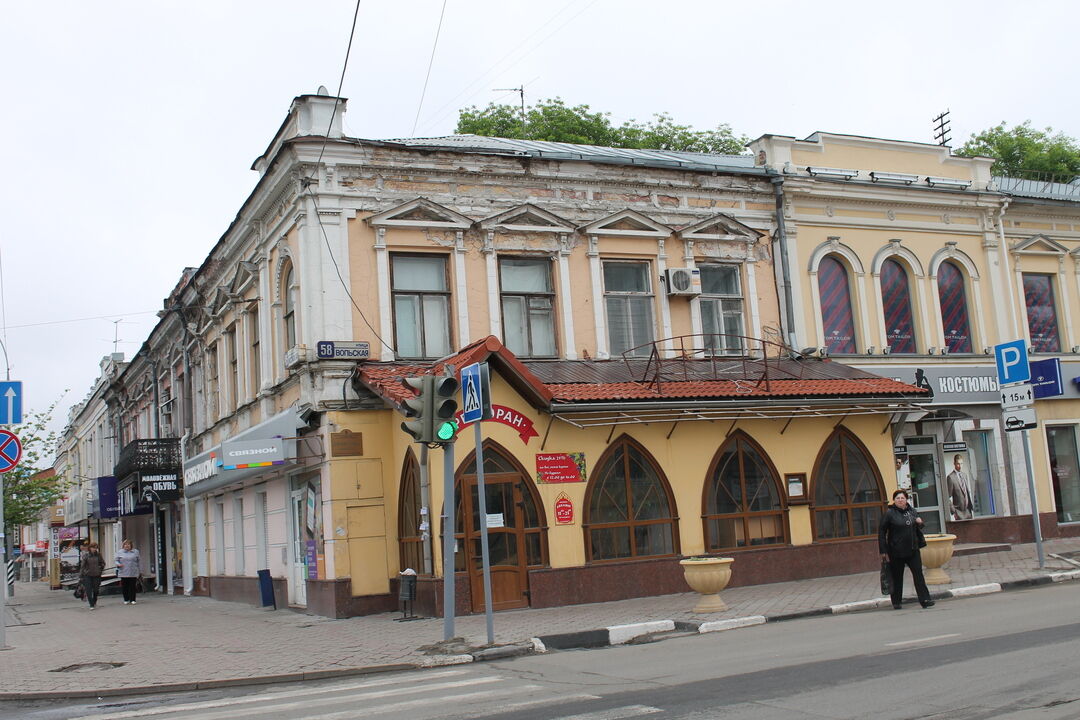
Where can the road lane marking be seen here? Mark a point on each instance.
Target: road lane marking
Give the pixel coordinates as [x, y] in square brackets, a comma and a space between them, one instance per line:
[921, 640]
[618, 713]
[267, 697]
[398, 707]
[293, 707]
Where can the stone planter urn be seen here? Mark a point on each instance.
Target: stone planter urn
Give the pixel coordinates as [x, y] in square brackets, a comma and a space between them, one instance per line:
[938, 550]
[708, 576]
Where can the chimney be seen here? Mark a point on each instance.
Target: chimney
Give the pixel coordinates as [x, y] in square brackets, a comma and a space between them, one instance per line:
[317, 115]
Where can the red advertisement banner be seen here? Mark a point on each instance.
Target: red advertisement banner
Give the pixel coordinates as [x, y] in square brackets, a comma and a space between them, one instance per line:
[560, 467]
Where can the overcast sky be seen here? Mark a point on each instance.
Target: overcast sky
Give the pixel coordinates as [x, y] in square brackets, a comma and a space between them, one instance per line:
[129, 127]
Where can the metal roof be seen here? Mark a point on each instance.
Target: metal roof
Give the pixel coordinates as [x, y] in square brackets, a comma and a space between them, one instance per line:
[1039, 188]
[708, 162]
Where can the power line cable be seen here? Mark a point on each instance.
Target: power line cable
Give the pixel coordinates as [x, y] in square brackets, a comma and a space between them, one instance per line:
[311, 193]
[110, 318]
[439, 114]
[525, 54]
[431, 62]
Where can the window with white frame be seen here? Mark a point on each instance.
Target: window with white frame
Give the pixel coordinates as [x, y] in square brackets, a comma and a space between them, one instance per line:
[722, 308]
[628, 299]
[254, 371]
[233, 378]
[212, 394]
[288, 313]
[528, 301]
[421, 301]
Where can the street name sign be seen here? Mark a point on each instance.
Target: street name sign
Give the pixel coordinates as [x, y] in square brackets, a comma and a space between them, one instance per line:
[1017, 396]
[1012, 362]
[342, 350]
[10, 402]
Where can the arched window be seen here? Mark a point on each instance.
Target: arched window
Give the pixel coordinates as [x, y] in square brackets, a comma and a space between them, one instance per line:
[848, 494]
[288, 305]
[629, 508]
[837, 320]
[743, 506]
[896, 301]
[954, 308]
[409, 517]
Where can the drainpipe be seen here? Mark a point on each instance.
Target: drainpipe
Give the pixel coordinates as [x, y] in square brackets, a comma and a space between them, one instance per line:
[1005, 263]
[781, 236]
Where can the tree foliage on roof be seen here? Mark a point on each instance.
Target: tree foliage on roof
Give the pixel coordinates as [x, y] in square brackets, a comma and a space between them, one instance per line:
[555, 121]
[1026, 152]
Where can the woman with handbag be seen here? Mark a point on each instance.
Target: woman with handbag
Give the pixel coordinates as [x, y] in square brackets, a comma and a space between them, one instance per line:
[128, 570]
[91, 565]
[899, 539]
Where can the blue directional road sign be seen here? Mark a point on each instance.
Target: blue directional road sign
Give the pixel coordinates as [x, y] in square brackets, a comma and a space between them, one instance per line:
[10, 451]
[1012, 362]
[10, 403]
[472, 394]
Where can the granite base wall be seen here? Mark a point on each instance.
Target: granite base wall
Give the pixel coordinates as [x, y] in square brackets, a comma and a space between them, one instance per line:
[1011, 529]
[240, 589]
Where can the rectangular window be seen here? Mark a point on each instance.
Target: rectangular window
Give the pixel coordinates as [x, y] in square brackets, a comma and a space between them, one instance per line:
[1064, 471]
[254, 371]
[421, 301]
[628, 300]
[722, 309]
[233, 378]
[1041, 313]
[212, 405]
[528, 306]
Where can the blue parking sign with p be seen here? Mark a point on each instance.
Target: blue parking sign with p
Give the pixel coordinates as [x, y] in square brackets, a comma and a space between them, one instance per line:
[10, 402]
[1012, 362]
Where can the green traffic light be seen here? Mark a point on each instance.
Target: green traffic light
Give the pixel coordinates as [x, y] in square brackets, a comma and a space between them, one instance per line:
[446, 430]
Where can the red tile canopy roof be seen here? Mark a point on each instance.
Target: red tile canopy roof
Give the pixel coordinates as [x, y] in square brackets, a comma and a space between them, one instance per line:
[788, 386]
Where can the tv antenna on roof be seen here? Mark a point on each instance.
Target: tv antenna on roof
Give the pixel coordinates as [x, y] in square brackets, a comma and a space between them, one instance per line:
[521, 92]
[941, 128]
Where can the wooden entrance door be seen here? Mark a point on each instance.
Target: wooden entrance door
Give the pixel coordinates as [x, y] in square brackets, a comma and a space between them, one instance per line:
[506, 510]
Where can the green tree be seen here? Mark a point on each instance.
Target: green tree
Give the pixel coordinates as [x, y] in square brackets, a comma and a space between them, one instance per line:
[1023, 151]
[26, 493]
[555, 121]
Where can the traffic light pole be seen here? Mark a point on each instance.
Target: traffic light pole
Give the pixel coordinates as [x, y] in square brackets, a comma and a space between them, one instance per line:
[484, 533]
[448, 541]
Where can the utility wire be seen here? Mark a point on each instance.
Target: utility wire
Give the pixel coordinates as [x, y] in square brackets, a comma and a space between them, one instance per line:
[431, 62]
[518, 47]
[110, 318]
[311, 193]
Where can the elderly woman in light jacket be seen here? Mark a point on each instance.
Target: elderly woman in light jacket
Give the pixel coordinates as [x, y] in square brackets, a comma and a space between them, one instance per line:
[128, 570]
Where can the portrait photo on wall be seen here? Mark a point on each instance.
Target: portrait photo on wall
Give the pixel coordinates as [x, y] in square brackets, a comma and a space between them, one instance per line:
[903, 472]
[960, 486]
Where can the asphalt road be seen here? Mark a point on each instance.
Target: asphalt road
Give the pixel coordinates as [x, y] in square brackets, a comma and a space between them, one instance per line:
[1009, 655]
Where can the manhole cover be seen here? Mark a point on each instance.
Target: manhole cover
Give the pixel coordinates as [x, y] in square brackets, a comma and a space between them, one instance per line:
[88, 667]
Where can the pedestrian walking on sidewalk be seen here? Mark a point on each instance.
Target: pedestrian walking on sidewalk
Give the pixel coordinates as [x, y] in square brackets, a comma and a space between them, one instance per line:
[899, 538]
[128, 570]
[91, 565]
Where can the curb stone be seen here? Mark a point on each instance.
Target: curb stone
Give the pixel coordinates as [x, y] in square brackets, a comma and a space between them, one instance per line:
[614, 635]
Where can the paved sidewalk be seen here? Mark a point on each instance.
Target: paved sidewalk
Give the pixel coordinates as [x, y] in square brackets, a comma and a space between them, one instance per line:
[176, 642]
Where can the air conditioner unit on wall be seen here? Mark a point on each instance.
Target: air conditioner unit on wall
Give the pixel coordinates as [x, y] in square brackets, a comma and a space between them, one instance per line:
[683, 281]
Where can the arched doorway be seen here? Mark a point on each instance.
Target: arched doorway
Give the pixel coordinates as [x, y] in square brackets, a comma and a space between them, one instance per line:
[517, 530]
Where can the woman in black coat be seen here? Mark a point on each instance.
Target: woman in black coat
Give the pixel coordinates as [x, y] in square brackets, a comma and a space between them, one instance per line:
[899, 540]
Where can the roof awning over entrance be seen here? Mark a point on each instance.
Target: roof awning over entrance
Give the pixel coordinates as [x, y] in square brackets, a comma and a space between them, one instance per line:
[587, 393]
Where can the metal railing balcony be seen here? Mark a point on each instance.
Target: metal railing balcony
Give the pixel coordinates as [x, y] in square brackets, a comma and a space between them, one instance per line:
[148, 455]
